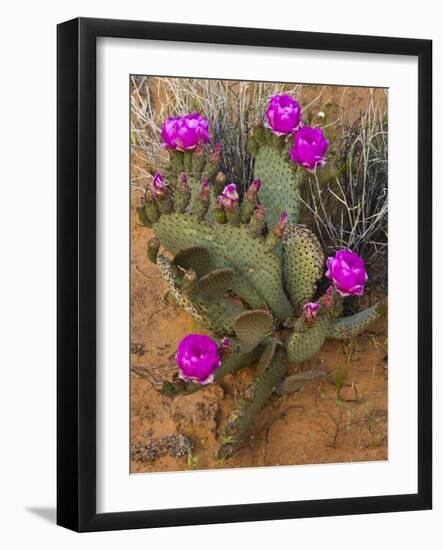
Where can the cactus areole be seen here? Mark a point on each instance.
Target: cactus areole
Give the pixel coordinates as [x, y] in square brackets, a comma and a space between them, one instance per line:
[242, 266]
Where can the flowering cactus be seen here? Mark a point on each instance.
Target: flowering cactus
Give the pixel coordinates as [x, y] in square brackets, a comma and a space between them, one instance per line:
[348, 273]
[283, 115]
[185, 133]
[197, 357]
[243, 267]
[310, 146]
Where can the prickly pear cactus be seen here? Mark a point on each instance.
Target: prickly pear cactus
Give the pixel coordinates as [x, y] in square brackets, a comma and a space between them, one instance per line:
[244, 268]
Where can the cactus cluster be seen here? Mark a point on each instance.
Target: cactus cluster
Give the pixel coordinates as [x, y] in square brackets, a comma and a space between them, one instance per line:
[245, 269]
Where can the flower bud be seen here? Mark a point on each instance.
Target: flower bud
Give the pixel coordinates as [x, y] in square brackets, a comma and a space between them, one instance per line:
[158, 187]
[201, 205]
[279, 229]
[310, 312]
[251, 193]
[260, 212]
[258, 221]
[219, 211]
[230, 196]
[183, 182]
[205, 190]
[182, 194]
[328, 297]
[226, 345]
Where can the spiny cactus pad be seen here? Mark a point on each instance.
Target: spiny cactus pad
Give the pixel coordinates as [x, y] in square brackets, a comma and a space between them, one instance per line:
[267, 356]
[301, 345]
[194, 257]
[347, 327]
[216, 315]
[280, 184]
[297, 381]
[231, 247]
[216, 283]
[303, 263]
[251, 328]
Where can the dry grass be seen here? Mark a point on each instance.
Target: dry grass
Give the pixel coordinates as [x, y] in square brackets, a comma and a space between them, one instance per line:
[347, 204]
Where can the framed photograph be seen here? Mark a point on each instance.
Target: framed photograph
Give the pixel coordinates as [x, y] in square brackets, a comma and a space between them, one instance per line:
[244, 274]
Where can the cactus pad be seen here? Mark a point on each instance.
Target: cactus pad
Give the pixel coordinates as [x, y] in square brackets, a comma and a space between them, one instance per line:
[280, 183]
[251, 327]
[301, 345]
[347, 327]
[267, 356]
[297, 381]
[216, 283]
[231, 247]
[216, 315]
[303, 262]
[194, 257]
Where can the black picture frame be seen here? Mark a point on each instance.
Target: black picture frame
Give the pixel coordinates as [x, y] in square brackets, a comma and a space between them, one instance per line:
[76, 279]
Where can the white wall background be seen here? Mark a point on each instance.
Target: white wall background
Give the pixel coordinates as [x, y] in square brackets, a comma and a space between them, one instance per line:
[27, 272]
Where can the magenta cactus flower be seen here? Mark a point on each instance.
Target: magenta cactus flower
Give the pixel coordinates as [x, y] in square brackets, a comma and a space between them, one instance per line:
[185, 133]
[309, 147]
[198, 357]
[283, 114]
[310, 311]
[230, 196]
[158, 186]
[348, 273]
